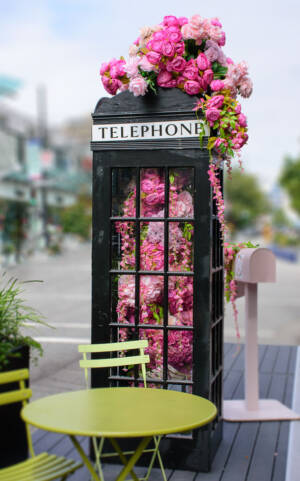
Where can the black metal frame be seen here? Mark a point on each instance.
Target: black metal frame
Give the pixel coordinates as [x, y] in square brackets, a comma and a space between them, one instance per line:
[194, 451]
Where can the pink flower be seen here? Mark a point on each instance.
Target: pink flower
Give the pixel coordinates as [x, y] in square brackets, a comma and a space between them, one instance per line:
[246, 88]
[212, 114]
[138, 86]
[174, 34]
[216, 22]
[133, 50]
[168, 49]
[216, 85]
[189, 32]
[208, 76]
[159, 35]
[191, 87]
[190, 71]
[219, 141]
[117, 70]
[170, 20]
[163, 78]
[147, 186]
[182, 21]
[124, 87]
[216, 101]
[222, 39]
[242, 119]
[177, 64]
[202, 62]
[104, 68]
[196, 21]
[238, 109]
[153, 57]
[229, 61]
[156, 45]
[152, 199]
[145, 65]
[131, 67]
[111, 85]
[179, 48]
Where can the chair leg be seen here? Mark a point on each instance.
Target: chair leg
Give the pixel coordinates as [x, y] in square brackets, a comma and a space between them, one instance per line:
[156, 452]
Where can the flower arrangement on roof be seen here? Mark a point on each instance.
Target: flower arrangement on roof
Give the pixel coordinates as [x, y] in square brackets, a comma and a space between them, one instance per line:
[186, 54]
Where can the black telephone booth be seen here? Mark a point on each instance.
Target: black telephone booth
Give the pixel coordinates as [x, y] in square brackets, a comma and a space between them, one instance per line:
[157, 262]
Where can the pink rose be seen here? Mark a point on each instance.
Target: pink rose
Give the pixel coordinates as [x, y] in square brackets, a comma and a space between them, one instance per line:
[208, 76]
[117, 70]
[163, 78]
[216, 101]
[217, 85]
[242, 119]
[191, 87]
[202, 62]
[203, 83]
[104, 68]
[219, 141]
[222, 39]
[170, 20]
[153, 57]
[182, 21]
[196, 21]
[147, 186]
[190, 71]
[111, 85]
[156, 45]
[177, 64]
[168, 49]
[179, 48]
[160, 35]
[138, 86]
[174, 34]
[212, 114]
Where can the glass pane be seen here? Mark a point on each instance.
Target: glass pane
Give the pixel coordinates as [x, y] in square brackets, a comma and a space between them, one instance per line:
[155, 350]
[123, 245]
[180, 301]
[123, 192]
[181, 246]
[151, 299]
[123, 299]
[181, 192]
[180, 354]
[152, 246]
[152, 192]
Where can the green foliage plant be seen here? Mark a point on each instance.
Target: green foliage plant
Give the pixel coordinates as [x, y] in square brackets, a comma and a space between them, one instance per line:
[14, 314]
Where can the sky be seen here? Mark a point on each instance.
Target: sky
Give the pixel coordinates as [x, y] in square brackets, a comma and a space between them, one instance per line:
[62, 43]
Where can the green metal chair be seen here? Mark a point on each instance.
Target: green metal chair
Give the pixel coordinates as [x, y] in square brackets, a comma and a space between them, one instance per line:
[111, 362]
[43, 467]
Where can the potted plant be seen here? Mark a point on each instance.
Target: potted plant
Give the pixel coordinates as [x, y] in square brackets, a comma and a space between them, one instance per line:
[14, 354]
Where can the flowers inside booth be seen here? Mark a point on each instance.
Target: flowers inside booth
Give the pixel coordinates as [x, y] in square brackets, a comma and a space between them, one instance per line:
[187, 54]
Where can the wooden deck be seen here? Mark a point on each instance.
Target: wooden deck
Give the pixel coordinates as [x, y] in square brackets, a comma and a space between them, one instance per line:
[249, 451]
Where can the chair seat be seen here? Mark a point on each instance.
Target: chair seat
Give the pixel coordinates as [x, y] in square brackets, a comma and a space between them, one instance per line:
[43, 467]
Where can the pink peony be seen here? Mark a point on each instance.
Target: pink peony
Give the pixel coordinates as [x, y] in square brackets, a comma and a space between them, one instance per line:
[170, 20]
[216, 22]
[238, 109]
[156, 45]
[189, 32]
[202, 62]
[177, 64]
[168, 49]
[179, 48]
[117, 70]
[208, 76]
[133, 50]
[191, 87]
[138, 86]
[104, 68]
[190, 71]
[217, 85]
[212, 114]
[216, 101]
[153, 57]
[159, 35]
[148, 186]
[174, 34]
[222, 39]
[163, 78]
[111, 85]
[182, 21]
[152, 199]
[196, 21]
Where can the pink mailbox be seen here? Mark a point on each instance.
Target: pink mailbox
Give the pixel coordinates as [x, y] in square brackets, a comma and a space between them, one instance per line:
[255, 265]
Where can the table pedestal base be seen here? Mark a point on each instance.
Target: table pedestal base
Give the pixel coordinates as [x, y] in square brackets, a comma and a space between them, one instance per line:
[268, 410]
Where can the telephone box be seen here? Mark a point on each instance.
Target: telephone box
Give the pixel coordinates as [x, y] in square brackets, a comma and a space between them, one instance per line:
[157, 259]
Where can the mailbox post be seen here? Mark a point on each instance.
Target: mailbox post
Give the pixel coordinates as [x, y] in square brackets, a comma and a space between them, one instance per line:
[157, 261]
[253, 266]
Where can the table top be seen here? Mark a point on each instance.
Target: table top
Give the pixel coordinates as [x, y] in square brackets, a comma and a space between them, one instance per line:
[120, 412]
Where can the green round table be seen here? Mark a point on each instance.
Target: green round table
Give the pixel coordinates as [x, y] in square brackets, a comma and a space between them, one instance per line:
[119, 413]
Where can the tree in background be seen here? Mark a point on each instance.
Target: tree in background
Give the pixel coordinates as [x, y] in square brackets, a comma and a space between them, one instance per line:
[290, 181]
[245, 200]
[77, 219]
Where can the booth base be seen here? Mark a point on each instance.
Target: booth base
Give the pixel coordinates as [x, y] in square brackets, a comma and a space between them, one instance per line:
[269, 410]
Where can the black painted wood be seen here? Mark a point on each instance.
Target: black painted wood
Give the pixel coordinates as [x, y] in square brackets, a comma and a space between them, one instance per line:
[248, 452]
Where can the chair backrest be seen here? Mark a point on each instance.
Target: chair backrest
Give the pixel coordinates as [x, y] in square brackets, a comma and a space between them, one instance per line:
[17, 395]
[121, 347]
